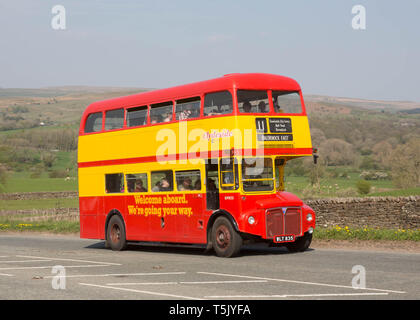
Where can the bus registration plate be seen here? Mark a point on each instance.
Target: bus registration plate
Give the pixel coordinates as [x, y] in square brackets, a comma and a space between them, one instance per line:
[285, 238]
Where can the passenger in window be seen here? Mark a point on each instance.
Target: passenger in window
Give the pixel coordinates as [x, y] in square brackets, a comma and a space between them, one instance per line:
[186, 113]
[261, 107]
[247, 106]
[139, 186]
[277, 108]
[167, 117]
[186, 185]
[162, 185]
[197, 185]
[155, 119]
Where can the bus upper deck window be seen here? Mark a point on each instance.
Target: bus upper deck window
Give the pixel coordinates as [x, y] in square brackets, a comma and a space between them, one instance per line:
[137, 116]
[187, 108]
[218, 103]
[93, 122]
[161, 112]
[286, 102]
[253, 101]
[114, 119]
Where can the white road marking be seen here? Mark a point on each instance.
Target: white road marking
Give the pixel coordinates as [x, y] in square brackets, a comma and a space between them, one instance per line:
[299, 295]
[299, 282]
[119, 274]
[183, 282]
[139, 283]
[142, 291]
[6, 275]
[19, 261]
[73, 260]
[226, 281]
[50, 267]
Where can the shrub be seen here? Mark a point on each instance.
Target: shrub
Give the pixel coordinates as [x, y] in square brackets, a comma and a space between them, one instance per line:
[363, 186]
[58, 174]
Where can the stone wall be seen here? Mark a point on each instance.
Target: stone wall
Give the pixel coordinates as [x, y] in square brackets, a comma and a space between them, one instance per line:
[382, 212]
[38, 195]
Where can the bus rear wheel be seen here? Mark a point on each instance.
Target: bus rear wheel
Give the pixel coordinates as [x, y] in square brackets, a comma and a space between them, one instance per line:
[226, 240]
[116, 234]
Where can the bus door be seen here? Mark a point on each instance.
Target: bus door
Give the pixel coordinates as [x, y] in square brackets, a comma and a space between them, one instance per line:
[212, 185]
[279, 172]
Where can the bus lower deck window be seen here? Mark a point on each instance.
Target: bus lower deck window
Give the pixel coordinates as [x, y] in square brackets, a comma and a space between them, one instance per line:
[188, 180]
[162, 181]
[114, 183]
[136, 182]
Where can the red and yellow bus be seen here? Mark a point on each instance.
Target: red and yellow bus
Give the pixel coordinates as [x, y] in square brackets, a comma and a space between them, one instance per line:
[200, 163]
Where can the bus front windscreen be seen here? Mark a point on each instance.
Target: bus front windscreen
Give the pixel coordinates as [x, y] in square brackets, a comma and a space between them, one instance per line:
[257, 174]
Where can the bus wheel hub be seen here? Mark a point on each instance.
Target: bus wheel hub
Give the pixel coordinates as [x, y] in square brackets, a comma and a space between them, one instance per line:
[223, 237]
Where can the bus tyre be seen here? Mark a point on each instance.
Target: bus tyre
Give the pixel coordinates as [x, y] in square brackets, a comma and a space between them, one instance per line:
[301, 244]
[226, 240]
[115, 237]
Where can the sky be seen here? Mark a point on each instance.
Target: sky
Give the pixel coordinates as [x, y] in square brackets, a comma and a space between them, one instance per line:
[158, 44]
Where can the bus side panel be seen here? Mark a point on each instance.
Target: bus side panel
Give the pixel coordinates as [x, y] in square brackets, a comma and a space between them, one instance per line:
[191, 223]
[231, 202]
[89, 207]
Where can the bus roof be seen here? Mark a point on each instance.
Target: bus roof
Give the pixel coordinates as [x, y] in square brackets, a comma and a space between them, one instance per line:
[254, 81]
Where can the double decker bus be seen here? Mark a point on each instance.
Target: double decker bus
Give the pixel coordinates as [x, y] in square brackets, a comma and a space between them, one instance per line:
[200, 163]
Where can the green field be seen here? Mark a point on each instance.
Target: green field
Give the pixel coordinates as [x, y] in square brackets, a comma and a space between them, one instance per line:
[55, 203]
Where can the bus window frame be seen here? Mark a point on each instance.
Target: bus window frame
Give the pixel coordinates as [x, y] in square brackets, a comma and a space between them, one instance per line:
[123, 181]
[133, 107]
[302, 104]
[149, 122]
[234, 104]
[147, 173]
[102, 123]
[273, 179]
[115, 129]
[235, 172]
[187, 170]
[270, 104]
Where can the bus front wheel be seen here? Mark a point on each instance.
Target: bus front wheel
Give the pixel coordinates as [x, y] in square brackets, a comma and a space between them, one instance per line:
[226, 240]
[301, 244]
[116, 234]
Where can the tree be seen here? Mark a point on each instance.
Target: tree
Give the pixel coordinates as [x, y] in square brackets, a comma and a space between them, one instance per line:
[3, 177]
[337, 152]
[405, 164]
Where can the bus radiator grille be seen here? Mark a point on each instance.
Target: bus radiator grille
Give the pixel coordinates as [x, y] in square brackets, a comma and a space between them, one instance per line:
[278, 223]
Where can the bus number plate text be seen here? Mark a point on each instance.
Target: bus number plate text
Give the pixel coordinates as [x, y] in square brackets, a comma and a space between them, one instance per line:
[286, 238]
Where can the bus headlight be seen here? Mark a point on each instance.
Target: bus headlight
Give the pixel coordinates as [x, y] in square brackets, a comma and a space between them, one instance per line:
[251, 220]
[309, 217]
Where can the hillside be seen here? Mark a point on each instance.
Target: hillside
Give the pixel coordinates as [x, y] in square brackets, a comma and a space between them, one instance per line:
[356, 139]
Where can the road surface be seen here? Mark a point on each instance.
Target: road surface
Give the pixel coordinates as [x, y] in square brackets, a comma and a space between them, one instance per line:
[66, 267]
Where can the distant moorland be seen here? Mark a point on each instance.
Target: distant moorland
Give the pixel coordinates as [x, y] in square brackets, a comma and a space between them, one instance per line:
[366, 147]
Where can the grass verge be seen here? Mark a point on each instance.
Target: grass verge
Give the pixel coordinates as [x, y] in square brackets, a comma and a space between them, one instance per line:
[346, 233]
[50, 225]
